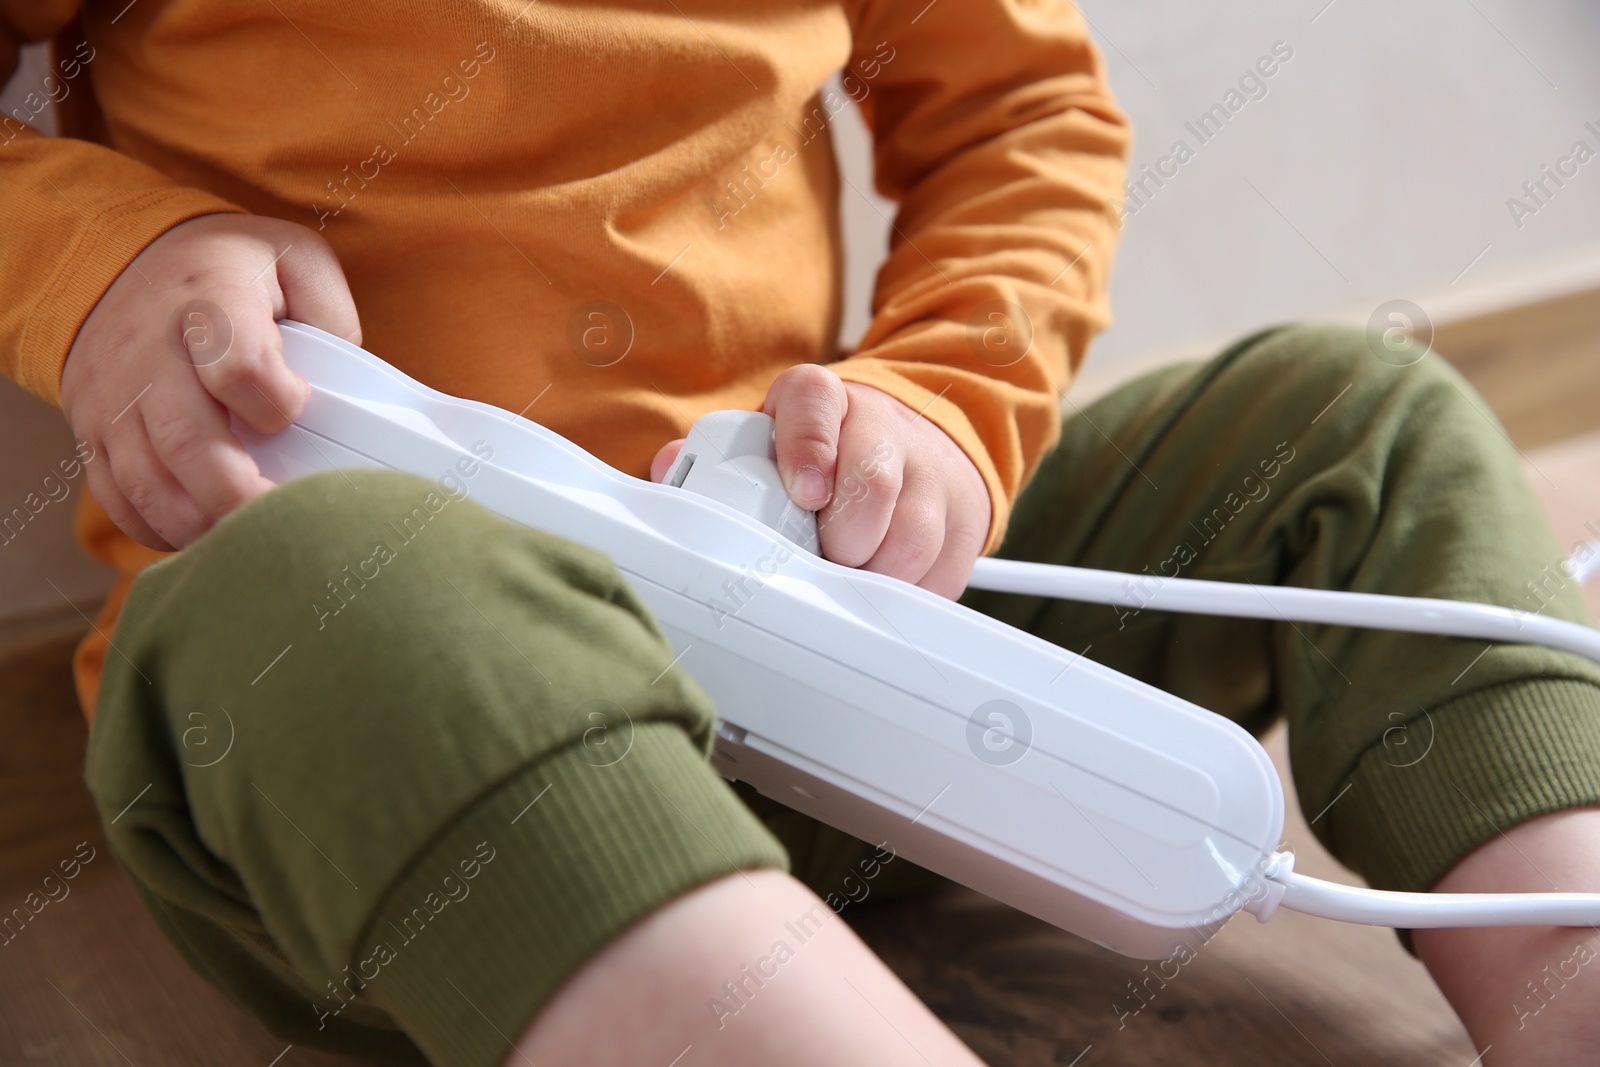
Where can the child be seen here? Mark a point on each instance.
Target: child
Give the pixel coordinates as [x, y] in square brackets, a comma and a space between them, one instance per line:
[469, 816]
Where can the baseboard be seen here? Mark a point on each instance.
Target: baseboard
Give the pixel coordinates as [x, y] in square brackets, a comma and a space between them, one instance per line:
[58, 624]
[1531, 346]
[1538, 365]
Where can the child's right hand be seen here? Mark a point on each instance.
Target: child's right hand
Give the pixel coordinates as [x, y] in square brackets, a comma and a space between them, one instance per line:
[185, 335]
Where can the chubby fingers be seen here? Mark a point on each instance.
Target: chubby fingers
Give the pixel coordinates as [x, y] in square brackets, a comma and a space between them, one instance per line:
[238, 358]
[966, 526]
[907, 501]
[172, 466]
[189, 434]
[130, 480]
[235, 347]
[808, 404]
[869, 478]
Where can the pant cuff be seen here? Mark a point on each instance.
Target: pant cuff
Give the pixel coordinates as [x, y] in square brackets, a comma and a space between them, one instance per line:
[1444, 783]
[538, 876]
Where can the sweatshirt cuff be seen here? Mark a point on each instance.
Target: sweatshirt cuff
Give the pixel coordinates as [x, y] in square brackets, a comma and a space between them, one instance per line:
[563, 858]
[1492, 759]
[104, 248]
[949, 418]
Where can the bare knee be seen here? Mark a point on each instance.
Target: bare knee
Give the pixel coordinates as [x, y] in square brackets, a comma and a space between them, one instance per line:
[751, 968]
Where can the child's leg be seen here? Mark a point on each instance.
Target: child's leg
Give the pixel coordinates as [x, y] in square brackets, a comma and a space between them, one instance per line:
[390, 769]
[1299, 458]
[831, 1002]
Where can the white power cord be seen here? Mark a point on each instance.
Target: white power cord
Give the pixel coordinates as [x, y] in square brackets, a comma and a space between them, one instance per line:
[1416, 911]
[1454, 618]
[1425, 911]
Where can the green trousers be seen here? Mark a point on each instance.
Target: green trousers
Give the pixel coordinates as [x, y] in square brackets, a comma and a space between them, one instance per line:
[387, 767]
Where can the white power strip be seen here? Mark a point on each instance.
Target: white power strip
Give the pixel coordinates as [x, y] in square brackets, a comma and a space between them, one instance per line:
[1098, 803]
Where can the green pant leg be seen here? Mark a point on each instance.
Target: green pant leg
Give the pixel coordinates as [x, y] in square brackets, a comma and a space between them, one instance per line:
[388, 767]
[1299, 458]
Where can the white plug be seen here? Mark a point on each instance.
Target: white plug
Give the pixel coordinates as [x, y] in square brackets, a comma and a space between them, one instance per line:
[732, 456]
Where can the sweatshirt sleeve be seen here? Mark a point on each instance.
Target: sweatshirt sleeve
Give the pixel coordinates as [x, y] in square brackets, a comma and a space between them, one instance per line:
[995, 133]
[73, 213]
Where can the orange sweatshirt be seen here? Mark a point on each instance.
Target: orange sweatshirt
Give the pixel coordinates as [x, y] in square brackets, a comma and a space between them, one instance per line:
[627, 212]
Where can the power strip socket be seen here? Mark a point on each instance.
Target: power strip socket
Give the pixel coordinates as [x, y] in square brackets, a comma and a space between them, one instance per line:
[1096, 802]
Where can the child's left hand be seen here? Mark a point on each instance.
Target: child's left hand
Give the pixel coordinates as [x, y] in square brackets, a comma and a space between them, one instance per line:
[893, 493]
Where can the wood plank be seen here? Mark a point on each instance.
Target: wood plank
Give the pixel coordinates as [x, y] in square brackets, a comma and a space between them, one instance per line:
[1537, 365]
[94, 981]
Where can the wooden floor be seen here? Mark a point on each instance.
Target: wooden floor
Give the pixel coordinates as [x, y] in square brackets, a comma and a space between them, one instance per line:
[90, 980]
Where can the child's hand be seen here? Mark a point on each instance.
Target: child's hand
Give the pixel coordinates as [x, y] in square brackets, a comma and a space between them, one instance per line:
[183, 336]
[894, 494]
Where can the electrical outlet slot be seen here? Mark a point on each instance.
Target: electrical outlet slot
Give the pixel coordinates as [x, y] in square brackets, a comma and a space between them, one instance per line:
[682, 470]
